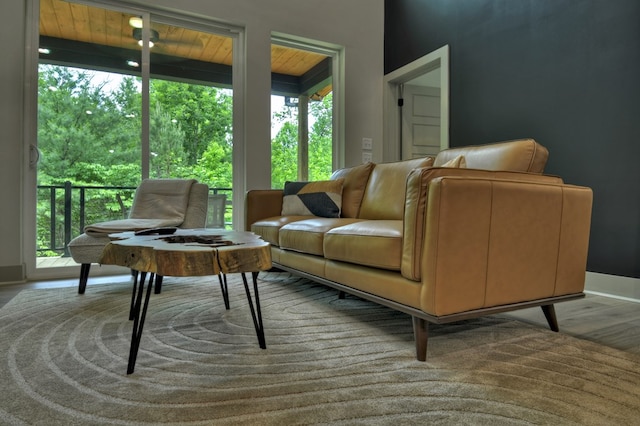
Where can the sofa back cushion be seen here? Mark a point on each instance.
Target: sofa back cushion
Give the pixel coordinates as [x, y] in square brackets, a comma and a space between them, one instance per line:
[521, 155]
[385, 192]
[355, 182]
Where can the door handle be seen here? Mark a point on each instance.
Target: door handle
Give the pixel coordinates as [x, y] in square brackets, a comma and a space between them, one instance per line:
[34, 155]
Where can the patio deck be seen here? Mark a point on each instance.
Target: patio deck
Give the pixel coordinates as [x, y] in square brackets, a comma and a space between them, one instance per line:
[54, 262]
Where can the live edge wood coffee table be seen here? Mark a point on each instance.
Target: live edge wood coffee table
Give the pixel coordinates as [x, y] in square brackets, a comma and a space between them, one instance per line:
[184, 253]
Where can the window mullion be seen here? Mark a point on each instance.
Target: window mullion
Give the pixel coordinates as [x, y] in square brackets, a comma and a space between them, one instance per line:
[146, 69]
[303, 138]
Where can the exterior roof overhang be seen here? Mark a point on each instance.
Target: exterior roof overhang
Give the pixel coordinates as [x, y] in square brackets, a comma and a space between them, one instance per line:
[94, 38]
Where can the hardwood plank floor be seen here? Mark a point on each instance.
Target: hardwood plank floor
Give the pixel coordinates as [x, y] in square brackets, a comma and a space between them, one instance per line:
[609, 321]
[9, 291]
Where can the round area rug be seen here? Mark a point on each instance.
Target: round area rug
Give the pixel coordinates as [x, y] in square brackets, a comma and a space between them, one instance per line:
[63, 360]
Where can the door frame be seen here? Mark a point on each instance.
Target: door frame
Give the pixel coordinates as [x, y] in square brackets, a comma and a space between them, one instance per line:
[392, 83]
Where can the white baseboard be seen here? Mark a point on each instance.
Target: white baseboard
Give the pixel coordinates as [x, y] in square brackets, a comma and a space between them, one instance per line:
[74, 272]
[613, 286]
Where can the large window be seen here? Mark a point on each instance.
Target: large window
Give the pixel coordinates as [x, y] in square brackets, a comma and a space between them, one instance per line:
[302, 138]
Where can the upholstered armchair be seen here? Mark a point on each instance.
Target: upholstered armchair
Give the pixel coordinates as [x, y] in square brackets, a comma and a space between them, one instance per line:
[157, 203]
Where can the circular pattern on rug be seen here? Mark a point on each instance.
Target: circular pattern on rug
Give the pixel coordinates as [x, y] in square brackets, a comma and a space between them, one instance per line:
[328, 360]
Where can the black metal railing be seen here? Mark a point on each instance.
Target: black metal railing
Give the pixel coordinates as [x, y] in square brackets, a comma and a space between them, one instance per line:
[66, 219]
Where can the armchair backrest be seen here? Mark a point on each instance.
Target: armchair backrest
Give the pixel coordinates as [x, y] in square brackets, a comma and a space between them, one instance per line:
[196, 215]
[161, 202]
[182, 199]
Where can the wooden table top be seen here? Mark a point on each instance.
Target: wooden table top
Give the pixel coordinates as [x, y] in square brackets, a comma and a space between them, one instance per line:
[189, 252]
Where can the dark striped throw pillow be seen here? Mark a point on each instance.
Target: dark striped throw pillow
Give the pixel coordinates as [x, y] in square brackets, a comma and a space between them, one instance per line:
[320, 198]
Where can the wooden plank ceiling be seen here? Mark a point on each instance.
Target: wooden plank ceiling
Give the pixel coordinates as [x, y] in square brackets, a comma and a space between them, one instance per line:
[81, 23]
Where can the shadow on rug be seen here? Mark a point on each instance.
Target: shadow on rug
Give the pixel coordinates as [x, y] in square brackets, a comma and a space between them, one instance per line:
[63, 360]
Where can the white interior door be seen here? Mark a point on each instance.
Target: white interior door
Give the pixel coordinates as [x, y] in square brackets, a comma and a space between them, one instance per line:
[430, 71]
[420, 121]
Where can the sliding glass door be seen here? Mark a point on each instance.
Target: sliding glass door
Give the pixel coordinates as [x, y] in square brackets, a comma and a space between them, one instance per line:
[124, 94]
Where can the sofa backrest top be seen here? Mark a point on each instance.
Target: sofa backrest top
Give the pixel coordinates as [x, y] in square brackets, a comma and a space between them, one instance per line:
[384, 195]
[377, 191]
[521, 155]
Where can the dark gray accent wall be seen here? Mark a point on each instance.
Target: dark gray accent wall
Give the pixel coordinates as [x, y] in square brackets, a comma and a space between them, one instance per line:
[564, 72]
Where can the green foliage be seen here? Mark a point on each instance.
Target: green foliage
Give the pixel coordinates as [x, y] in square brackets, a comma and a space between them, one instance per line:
[284, 147]
[284, 155]
[215, 166]
[204, 114]
[76, 125]
[166, 140]
[89, 135]
[320, 140]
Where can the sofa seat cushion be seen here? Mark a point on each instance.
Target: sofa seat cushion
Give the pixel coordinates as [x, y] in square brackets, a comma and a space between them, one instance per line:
[376, 243]
[269, 228]
[307, 236]
[88, 248]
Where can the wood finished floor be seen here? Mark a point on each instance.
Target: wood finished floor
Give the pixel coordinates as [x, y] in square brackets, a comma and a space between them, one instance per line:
[608, 321]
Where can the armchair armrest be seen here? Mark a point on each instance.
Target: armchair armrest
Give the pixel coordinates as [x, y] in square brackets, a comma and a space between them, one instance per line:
[261, 204]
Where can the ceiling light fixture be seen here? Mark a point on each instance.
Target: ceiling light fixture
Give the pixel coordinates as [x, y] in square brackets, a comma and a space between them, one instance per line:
[153, 38]
[135, 22]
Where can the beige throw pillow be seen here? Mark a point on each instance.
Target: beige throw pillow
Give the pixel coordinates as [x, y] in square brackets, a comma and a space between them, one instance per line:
[459, 162]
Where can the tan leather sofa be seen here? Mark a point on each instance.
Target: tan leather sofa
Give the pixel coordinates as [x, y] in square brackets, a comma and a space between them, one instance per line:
[439, 243]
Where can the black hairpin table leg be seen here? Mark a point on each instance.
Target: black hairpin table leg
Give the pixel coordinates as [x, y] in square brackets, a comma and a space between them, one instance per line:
[139, 314]
[256, 314]
[225, 290]
[135, 275]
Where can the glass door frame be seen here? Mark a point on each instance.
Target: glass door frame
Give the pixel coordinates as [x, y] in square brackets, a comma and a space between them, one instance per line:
[148, 14]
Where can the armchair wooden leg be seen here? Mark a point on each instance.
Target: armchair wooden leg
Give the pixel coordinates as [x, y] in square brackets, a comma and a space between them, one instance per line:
[421, 334]
[550, 315]
[84, 277]
[158, 284]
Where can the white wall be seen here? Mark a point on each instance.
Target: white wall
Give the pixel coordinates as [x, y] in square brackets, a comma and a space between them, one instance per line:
[11, 139]
[357, 25]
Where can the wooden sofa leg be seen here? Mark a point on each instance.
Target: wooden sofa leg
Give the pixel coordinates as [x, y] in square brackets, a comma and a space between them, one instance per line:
[84, 277]
[420, 334]
[550, 315]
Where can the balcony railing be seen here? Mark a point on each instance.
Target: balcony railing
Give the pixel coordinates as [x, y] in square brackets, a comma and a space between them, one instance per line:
[63, 211]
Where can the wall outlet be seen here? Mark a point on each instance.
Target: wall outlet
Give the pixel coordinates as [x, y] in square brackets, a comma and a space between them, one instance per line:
[367, 143]
[367, 157]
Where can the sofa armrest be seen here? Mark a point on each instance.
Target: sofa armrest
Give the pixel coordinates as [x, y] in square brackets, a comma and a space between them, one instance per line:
[492, 242]
[417, 193]
[261, 204]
